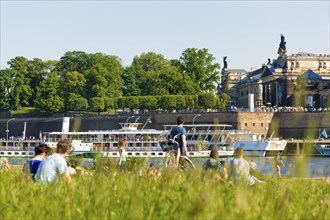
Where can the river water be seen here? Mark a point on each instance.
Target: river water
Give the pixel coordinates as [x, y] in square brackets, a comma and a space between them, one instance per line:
[308, 166]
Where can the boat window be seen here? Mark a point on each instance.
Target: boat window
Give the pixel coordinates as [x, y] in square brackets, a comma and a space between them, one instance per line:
[9, 153]
[23, 153]
[153, 154]
[2, 153]
[137, 154]
[160, 154]
[16, 153]
[145, 153]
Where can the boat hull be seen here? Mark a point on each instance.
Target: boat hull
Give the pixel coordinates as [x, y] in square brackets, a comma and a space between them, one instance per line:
[260, 148]
[323, 149]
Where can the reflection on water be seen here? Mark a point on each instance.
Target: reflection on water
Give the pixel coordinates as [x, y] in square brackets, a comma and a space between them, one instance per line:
[294, 166]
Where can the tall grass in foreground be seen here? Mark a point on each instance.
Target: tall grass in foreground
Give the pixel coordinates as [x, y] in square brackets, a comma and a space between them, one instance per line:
[174, 195]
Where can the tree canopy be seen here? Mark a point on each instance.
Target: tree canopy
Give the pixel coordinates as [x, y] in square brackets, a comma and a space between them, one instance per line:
[79, 81]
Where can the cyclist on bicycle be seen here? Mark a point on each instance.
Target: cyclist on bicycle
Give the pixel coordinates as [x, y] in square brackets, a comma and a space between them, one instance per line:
[181, 139]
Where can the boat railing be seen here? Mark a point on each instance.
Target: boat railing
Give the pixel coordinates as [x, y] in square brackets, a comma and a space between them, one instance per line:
[12, 148]
[110, 139]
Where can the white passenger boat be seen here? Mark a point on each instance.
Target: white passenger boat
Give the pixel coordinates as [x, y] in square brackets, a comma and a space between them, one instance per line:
[226, 140]
[18, 147]
[201, 138]
[140, 142]
[323, 149]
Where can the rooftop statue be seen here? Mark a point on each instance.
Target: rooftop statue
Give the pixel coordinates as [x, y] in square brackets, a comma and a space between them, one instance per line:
[225, 66]
[281, 60]
[282, 48]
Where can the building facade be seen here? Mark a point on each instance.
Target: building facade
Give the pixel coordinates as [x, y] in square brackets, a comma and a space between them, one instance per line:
[301, 79]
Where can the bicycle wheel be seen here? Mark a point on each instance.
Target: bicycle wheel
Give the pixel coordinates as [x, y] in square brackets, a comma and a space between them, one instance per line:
[187, 164]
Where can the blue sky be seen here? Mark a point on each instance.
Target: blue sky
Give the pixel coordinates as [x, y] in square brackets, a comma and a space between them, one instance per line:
[248, 32]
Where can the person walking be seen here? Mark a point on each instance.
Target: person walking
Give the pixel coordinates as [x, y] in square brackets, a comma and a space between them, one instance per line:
[278, 163]
[122, 154]
[181, 134]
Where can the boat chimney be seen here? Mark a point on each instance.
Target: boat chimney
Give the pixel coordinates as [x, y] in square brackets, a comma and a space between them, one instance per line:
[65, 124]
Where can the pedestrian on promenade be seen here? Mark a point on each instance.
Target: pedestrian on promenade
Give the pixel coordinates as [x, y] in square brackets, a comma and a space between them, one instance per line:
[122, 154]
[278, 163]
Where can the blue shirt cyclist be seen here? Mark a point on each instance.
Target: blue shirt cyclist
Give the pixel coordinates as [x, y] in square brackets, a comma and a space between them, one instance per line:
[181, 139]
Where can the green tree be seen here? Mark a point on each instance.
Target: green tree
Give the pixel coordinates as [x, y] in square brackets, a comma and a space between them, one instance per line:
[109, 103]
[191, 101]
[96, 104]
[132, 102]
[200, 67]
[113, 73]
[48, 94]
[131, 82]
[76, 102]
[6, 85]
[96, 81]
[38, 70]
[152, 74]
[21, 92]
[222, 100]
[78, 61]
[73, 88]
[167, 102]
[148, 102]
[206, 100]
[180, 102]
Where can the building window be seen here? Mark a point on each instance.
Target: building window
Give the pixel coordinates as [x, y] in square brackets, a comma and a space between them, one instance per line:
[245, 124]
[262, 124]
[254, 124]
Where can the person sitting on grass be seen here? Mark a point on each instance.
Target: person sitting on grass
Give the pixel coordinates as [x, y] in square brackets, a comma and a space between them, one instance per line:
[4, 164]
[212, 162]
[32, 165]
[55, 166]
[240, 169]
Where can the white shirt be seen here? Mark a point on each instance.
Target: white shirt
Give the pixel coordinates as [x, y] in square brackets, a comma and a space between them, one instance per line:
[53, 165]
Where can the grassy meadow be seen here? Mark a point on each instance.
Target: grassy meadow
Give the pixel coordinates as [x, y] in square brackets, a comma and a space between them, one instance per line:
[173, 195]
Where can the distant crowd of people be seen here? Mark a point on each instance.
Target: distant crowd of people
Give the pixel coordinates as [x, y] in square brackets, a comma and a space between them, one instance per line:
[280, 109]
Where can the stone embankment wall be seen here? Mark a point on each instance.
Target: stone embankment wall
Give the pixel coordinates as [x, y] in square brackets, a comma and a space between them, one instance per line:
[280, 124]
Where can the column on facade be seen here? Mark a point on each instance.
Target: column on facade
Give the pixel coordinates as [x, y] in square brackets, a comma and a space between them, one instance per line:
[260, 95]
[276, 84]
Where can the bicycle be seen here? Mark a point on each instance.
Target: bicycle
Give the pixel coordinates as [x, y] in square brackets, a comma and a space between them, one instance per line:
[173, 155]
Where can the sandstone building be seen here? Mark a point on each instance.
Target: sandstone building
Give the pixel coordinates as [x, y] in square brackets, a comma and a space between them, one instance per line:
[301, 79]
